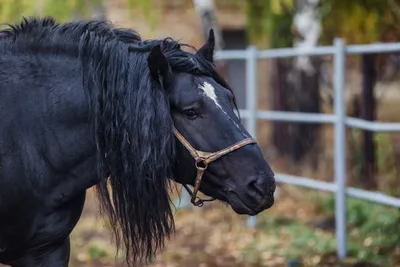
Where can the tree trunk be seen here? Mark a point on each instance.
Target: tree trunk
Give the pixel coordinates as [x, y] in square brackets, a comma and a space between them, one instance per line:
[368, 113]
[303, 82]
[279, 102]
[98, 10]
[205, 10]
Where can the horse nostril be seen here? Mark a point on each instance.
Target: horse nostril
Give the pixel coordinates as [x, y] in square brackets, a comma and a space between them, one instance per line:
[258, 185]
[263, 184]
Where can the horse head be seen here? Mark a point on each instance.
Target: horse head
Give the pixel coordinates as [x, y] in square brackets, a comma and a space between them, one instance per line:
[214, 152]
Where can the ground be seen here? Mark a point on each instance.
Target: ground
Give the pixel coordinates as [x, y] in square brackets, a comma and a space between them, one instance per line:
[298, 229]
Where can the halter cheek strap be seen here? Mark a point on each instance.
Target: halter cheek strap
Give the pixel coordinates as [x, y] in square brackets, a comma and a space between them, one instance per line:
[202, 159]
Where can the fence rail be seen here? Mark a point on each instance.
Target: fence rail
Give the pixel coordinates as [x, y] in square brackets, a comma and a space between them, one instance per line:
[330, 187]
[338, 119]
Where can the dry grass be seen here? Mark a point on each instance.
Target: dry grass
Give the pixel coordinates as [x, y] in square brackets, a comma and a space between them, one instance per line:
[216, 236]
[212, 236]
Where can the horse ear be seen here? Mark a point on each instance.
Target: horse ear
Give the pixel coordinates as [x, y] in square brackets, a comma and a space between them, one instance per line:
[207, 50]
[159, 67]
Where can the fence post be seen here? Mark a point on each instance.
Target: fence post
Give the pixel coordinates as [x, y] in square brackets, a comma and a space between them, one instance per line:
[251, 102]
[184, 201]
[340, 147]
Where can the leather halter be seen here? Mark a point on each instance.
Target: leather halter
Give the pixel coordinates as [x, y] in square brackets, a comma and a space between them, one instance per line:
[202, 159]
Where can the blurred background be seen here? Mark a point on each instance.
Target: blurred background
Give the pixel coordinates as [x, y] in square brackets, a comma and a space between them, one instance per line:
[299, 230]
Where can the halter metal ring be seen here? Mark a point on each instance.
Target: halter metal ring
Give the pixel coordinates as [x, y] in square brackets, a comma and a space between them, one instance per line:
[198, 202]
[201, 161]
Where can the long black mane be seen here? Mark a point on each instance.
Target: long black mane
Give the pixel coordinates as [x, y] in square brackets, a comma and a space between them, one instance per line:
[130, 115]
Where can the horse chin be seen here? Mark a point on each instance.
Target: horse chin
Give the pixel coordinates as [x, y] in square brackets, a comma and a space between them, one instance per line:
[251, 209]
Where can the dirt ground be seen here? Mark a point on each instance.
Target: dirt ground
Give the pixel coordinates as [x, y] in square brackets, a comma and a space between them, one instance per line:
[205, 237]
[215, 236]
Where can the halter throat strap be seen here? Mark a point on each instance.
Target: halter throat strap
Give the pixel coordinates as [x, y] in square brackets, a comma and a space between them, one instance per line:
[202, 159]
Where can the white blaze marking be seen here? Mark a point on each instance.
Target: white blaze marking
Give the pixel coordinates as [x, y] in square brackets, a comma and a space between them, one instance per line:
[209, 91]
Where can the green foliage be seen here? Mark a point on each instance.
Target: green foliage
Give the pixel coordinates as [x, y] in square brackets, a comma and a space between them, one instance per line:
[63, 10]
[358, 21]
[95, 253]
[67, 9]
[269, 22]
[300, 239]
[11, 10]
[147, 8]
[372, 230]
[367, 219]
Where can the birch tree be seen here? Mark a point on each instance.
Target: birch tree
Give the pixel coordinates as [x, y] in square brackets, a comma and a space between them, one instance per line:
[303, 80]
[206, 13]
[307, 24]
[98, 10]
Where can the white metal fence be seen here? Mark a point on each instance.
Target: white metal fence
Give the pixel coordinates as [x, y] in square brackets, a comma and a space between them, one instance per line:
[338, 119]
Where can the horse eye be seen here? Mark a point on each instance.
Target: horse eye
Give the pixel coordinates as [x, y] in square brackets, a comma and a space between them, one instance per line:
[190, 114]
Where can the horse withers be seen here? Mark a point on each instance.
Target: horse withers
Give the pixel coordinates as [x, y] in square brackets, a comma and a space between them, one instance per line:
[85, 104]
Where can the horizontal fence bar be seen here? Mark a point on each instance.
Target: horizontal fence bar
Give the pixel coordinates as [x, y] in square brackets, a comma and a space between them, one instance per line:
[374, 126]
[244, 113]
[314, 51]
[294, 52]
[373, 197]
[275, 53]
[305, 182]
[373, 48]
[291, 116]
[376, 197]
[231, 54]
[304, 117]
[296, 116]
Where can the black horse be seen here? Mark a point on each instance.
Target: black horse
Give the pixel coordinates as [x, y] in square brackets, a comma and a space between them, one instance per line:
[83, 104]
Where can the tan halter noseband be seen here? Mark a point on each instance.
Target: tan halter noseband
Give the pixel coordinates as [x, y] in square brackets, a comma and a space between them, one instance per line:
[202, 159]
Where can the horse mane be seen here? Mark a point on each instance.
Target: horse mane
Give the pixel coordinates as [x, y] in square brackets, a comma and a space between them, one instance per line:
[42, 35]
[131, 119]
